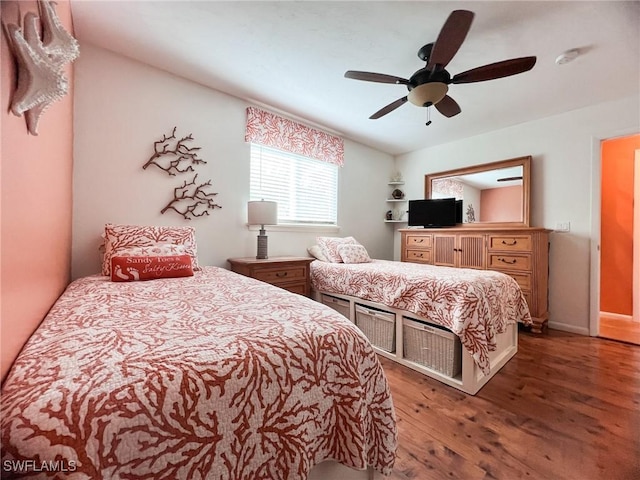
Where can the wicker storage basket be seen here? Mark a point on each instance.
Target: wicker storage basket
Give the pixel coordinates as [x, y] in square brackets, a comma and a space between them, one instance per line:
[378, 326]
[338, 304]
[432, 346]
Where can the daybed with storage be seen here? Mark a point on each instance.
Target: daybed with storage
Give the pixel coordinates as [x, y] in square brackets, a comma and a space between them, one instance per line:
[456, 325]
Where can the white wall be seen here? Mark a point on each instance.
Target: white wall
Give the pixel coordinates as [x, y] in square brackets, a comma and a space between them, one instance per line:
[122, 107]
[561, 179]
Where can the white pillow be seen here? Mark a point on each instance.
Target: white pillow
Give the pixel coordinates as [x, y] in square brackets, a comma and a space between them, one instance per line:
[316, 252]
[329, 246]
[351, 253]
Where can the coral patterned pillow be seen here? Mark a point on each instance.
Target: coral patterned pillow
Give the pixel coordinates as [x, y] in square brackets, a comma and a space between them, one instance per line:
[122, 238]
[353, 253]
[133, 268]
[329, 246]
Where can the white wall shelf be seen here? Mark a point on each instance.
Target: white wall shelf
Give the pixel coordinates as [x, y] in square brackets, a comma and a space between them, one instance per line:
[398, 212]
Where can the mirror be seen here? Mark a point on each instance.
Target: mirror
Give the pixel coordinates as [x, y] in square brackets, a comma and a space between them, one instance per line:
[494, 193]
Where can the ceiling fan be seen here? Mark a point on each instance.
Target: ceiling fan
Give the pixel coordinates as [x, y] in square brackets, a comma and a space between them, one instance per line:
[429, 85]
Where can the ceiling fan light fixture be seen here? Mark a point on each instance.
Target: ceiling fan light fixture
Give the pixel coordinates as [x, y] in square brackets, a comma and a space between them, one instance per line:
[428, 93]
[429, 85]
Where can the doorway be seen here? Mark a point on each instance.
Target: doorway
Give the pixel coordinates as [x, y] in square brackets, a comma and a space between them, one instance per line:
[619, 240]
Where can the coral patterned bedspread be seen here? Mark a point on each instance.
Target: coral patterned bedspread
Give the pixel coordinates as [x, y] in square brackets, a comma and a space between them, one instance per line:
[476, 305]
[214, 376]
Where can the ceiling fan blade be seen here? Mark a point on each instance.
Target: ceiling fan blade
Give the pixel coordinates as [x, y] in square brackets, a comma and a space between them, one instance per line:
[448, 106]
[375, 77]
[450, 38]
[495, 70]
[389, 108]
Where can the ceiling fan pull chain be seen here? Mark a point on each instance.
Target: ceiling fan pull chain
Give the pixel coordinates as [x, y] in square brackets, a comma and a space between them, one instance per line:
[428, 116]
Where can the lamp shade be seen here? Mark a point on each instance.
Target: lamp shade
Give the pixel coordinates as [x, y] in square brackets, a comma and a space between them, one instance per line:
[428, 93]
[262, 213]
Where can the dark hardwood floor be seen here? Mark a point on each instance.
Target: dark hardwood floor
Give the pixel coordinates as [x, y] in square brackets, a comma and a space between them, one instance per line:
[565, 407]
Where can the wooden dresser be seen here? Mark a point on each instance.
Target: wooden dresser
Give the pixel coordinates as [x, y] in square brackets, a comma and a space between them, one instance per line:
[290, 273]
[522, 253]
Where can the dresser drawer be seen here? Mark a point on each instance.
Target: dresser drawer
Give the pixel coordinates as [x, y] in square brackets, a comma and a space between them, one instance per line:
[299, 288]
[423, 256]
[523, 279]
[290, 273]
[498, 261]
[282, 274]
[513, 243]
[418, 241]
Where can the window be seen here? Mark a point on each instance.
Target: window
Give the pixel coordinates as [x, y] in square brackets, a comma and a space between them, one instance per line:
[306, 189]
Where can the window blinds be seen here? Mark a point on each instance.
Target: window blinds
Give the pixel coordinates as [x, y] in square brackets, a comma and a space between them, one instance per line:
[306, 189]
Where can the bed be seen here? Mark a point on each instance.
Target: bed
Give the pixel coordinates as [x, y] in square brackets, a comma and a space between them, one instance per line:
[482, 308]
[214, 376]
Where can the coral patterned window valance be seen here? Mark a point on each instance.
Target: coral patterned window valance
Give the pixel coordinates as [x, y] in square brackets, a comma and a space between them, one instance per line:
[272, 130]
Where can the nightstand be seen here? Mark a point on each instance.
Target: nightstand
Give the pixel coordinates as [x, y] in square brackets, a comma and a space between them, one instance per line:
[290, 273]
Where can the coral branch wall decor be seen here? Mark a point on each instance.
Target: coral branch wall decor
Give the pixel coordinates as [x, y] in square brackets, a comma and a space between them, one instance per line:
[170, 155]
[173, 156]
[40, 62]
[191, 200]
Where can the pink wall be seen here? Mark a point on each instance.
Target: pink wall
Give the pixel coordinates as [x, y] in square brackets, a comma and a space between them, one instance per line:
[501, 204]
[36, 196]
[616, 225]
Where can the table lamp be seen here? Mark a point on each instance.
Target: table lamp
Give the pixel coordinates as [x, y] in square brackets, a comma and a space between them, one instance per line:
[262, 213]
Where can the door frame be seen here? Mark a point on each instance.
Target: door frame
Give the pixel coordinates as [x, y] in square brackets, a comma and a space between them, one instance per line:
[596, 195]
[636, 239]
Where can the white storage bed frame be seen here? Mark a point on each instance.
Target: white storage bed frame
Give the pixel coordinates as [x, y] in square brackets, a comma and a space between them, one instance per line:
[470, 380]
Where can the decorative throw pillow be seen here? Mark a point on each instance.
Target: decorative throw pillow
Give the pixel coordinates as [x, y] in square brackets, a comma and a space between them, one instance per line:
[316, 252]
[329, 246]
[353, 253]
[134, 268]
[121, 238]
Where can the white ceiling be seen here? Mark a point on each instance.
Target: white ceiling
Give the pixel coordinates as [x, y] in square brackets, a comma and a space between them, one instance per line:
[291, 56]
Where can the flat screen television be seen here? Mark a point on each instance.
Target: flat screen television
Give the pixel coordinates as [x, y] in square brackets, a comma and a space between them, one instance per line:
[434, 212]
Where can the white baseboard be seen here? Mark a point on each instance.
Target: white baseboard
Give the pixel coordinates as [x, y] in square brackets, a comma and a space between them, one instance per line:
[569, 328]
[616, 316]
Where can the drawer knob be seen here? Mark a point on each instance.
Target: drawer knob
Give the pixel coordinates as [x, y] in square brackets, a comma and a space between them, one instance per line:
[510, 243]
[510, 262]
[281, 274]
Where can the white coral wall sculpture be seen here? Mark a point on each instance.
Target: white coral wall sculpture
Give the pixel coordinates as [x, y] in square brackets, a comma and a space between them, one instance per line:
[41, 62]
